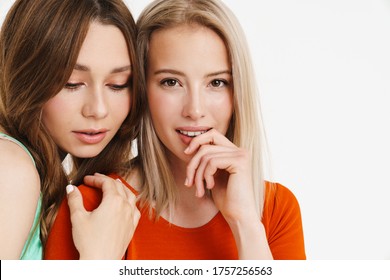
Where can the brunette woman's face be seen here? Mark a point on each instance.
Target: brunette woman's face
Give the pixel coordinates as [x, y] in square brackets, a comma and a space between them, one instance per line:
[189, 85]
[86, 114]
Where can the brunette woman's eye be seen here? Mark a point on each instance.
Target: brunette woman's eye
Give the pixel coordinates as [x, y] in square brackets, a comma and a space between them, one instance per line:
[73, 86]
[115, 87]
[170, 82]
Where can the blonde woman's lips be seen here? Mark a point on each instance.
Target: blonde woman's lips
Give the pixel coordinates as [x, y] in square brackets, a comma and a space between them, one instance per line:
[186, 134]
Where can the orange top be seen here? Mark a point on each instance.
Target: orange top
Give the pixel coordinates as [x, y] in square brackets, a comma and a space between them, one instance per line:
[213, 241]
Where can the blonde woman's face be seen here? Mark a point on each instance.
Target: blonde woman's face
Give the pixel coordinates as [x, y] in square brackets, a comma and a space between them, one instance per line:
[189, 85]
[86, 114]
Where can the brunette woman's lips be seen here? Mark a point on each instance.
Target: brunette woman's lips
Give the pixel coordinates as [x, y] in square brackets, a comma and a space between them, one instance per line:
[91, 136]
[186, 134]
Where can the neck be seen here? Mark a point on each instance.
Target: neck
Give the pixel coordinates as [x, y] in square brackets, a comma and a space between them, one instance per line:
[189, 211]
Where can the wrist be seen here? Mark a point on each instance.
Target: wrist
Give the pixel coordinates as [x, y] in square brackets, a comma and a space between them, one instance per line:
[251, 240]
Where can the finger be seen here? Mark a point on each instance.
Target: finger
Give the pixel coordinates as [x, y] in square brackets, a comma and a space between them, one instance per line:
[212, 137]
[208, 167]
[194, 163]
[120, 187]
[193, 166]
[75, 200]
[108, 185]
[94, 181]
[204, 177]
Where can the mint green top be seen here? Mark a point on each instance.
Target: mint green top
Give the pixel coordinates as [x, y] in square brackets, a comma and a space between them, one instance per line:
[32, 249]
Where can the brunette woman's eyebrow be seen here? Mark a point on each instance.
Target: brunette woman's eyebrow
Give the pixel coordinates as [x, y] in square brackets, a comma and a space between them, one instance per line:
[121, 69]
[81, 67]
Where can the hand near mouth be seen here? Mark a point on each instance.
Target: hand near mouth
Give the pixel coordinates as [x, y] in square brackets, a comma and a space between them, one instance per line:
[222, 167]
[225, 169]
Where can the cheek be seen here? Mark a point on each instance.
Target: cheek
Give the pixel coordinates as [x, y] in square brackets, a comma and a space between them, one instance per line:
[120, 108]
[222, 110]
[55, 112]
[160, 106]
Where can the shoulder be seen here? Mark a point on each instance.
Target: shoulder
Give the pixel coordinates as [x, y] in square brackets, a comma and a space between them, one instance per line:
[93, 196]
[17, 168]
[283, 223]
[276, 193]
[19, 195]
[280, 202]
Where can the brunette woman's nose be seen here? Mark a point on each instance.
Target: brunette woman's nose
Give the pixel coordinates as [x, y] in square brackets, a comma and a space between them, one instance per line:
[95, 105]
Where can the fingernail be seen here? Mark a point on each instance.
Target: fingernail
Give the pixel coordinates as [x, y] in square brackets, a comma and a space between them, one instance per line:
[186, 151]
[119, 180]
[186, 183]
[69, 189]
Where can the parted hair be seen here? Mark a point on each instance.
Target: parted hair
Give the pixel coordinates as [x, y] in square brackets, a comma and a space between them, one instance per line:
[245, 130]
[39, 44]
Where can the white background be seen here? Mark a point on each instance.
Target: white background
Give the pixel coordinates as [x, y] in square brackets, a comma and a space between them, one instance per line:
[323, 68]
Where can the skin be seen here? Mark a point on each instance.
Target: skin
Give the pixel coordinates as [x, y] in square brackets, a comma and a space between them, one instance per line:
[105, 232]
[86, 114]
[189, 84]
[96, 100]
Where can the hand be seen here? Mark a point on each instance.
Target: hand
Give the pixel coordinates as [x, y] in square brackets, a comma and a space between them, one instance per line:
[105, 232]
[226, 171]
[219, 165]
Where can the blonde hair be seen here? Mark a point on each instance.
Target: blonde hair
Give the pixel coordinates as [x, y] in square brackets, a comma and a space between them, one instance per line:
[39, 45]
[245, 130]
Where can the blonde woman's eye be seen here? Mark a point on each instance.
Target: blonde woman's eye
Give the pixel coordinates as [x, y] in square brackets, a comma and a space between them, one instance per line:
[170, 82]
[218, 83]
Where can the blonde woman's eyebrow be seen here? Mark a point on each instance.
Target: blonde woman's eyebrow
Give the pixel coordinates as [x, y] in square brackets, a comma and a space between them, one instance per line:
[175, 72]
[217, 73]
[85, 68]
[169, 71]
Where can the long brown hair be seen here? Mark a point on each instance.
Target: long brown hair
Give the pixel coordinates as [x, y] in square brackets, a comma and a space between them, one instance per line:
[39, 44]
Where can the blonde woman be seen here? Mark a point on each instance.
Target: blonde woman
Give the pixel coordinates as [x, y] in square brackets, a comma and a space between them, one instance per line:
[199, 175]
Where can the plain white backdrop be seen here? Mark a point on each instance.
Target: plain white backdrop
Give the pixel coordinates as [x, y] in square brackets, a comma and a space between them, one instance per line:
[323, 69]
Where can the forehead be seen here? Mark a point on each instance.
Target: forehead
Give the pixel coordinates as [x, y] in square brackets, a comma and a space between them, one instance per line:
[187, 42]
[104, 42]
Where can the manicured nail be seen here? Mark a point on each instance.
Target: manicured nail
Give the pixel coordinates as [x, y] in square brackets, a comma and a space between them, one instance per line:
[69, 189]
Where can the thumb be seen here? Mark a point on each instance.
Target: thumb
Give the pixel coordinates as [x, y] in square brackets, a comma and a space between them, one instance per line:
[75, 200]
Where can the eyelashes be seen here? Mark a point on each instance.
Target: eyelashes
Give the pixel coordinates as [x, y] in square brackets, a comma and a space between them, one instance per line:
[170, 82]
[216, 83]
[73, 86]
[114, 87]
